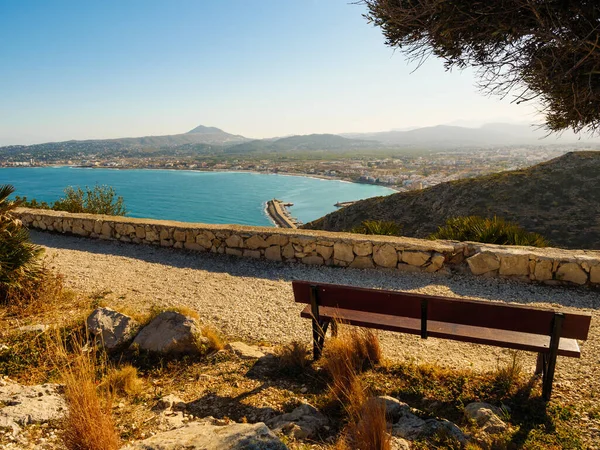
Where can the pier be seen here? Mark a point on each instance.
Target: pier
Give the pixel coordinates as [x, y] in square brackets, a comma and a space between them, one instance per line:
[343, 204]
[280, 215]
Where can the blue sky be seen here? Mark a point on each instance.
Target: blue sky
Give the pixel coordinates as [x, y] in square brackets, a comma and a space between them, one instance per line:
[261, 68]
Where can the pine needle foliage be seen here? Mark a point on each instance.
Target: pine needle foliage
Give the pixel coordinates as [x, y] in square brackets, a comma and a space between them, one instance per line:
[379, 227]
[100, 199]
[543, 51]
[19, 258]
[491, 231]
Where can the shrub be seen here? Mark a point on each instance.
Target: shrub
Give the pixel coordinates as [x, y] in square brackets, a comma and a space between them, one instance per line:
[123, 381]
[491, 231]
[101, 199]
[294, 357]
[380, 227]
[19, 258]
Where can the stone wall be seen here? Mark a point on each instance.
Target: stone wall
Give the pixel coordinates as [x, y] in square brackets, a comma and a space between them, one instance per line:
[550, 266]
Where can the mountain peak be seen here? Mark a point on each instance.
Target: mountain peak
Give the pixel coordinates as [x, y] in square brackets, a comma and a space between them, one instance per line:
[201, 129]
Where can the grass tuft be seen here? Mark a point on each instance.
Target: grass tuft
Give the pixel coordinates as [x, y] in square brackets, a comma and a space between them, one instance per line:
[215, 340]
[294, 357]
[89, 424]
[123, 381]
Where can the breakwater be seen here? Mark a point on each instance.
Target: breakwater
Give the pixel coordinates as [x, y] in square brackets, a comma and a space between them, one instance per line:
[541, 265]
[280, 215]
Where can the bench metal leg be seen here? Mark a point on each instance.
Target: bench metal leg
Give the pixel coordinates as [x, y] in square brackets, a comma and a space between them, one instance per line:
[319, 330]
[541, 362]
[549, 359]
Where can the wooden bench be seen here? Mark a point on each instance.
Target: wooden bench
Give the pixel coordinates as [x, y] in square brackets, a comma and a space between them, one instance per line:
[544, 331]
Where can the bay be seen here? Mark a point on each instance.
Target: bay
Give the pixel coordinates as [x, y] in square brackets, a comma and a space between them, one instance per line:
[192, 196]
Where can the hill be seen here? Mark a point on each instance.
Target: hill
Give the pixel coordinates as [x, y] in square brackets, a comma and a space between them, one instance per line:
[487, 135]
[559, 199]
[310, 142]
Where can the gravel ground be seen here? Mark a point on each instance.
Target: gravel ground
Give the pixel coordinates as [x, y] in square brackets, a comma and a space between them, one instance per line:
[253, 300]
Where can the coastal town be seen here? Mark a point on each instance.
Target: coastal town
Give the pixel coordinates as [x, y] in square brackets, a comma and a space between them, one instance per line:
[402, 170]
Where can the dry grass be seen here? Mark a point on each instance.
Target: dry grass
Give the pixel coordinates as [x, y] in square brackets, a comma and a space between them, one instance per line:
[215, 340]
[89, 424]
[294, 357]
[123, 381]
[509, 373]
[370, 431]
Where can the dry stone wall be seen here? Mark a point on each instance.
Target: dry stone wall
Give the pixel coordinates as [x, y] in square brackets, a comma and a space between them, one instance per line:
[550, 266]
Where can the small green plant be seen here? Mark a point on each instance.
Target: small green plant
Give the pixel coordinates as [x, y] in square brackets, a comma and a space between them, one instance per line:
[100, 199]
[491, 231]
[379, 227]
[19, 258]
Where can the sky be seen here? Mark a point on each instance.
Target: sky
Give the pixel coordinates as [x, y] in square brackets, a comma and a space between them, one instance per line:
[261, 68]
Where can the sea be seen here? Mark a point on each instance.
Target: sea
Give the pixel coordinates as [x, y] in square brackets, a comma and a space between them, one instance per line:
[194, 196]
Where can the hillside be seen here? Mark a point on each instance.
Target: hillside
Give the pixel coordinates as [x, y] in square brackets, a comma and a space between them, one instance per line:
[309, 142]
[559, 199]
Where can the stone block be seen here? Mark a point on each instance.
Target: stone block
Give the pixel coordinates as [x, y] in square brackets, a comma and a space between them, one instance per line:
[543, 270]
[571, 272]
[234, 241]
[484, 262]
[255, 242]
[203, 240]
[363, 248]
[151, 235]
[415, 258]
[88, 225]
[277, 239]
[514, 265]
[325, 251]
[251, 254]
[273, 253]
[385, 256]
[98, 226]
[179, 235]
[164, 234]
[362, 262]
[233, 251]
[288, 251]
[193, 246]
[106, 229]
[595, 274]
[313, 260]
[343, 252]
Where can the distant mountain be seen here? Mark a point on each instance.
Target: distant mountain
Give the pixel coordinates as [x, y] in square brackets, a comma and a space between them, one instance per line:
[487, 135]
[560, 199]
[309, 142]
[199, 139]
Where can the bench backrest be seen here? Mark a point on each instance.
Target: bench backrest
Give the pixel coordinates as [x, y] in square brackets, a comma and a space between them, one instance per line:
[477, 313]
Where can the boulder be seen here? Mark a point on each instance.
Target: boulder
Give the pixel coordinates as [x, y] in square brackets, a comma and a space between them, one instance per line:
[571, 272]
[170, 332]
[486, 416]
[385, 256]
[399, 444]
[204, 435]
[595, 274]
[244, 351]
[415, 258]
[514, 265]
[111, 328]
[343, 252]
[481, 263]
[273, 253]
[23, 405]
[394, 408]
[408, 426]
[304, 422]
[363, 248]
[171, 402]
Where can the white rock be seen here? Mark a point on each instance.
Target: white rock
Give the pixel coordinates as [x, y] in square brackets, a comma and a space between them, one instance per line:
[111, 328]
[304, 422]
[486, 416]
[170, 332]
[244, 351]
[394, 408]
[206, 436]
[23, 405]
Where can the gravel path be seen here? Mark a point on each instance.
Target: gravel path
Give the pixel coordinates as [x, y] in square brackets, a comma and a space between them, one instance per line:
[253, 300]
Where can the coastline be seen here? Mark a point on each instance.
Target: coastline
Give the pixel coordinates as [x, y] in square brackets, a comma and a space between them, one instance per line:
[279, 215]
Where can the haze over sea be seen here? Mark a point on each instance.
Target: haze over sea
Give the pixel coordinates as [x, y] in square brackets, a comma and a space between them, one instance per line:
[192, 196]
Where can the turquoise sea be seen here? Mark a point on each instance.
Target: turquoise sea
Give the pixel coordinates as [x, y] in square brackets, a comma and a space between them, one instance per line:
[191, 196]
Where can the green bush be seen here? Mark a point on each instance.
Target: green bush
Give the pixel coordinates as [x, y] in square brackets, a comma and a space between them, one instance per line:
[19, 258]
[101, 199]
[491, 231]
[381, 227]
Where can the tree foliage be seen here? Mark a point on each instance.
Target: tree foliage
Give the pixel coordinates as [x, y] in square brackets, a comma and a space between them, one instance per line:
[547, 50]
[491, 231]
[100, 199]
[19, 258]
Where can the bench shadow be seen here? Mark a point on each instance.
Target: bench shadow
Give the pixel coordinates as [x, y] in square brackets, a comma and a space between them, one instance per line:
[447, 285]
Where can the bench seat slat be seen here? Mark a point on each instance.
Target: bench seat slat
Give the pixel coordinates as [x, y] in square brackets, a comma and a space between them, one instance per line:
[465, 333]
